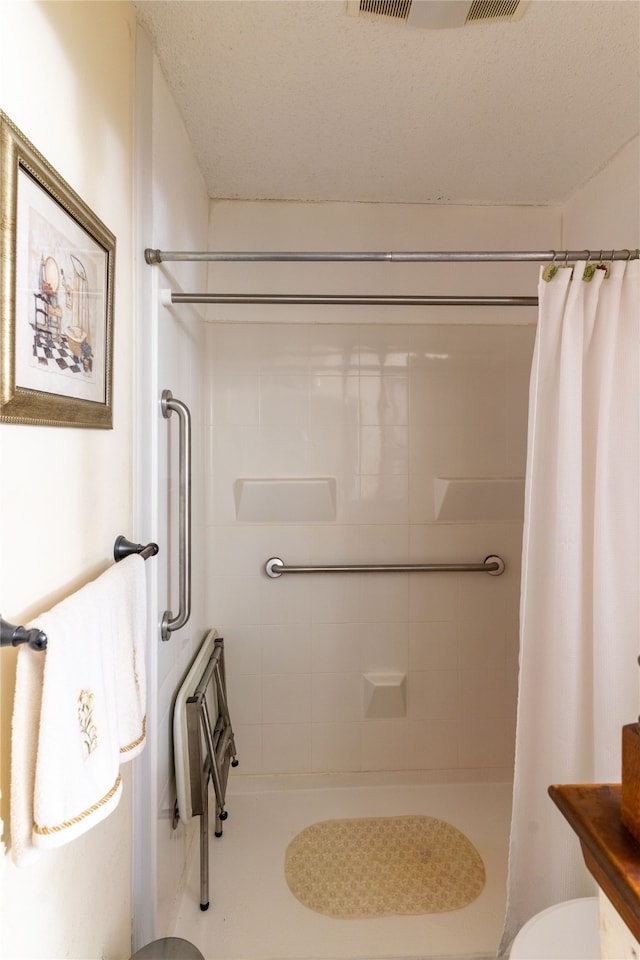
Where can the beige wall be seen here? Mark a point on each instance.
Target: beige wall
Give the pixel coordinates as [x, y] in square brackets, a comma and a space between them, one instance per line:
[65, 494]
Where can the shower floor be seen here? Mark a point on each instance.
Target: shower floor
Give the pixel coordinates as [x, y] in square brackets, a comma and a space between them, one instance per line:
[254, 916]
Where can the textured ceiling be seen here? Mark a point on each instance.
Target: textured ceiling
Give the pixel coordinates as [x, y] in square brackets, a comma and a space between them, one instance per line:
[293, 99]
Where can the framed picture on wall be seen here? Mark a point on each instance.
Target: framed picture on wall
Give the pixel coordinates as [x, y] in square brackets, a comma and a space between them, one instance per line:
[57, 273]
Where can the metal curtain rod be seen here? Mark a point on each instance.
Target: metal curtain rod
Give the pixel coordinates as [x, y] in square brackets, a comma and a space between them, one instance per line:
[12, 635]
[455, 256]
[169, 297]
[492, 565]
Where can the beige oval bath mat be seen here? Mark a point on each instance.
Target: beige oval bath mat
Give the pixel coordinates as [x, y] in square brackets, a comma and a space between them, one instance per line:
[383, 866]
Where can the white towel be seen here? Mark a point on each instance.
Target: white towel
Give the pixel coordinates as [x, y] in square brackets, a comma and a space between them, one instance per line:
[126, 580]
[24, 751]
[65, 777]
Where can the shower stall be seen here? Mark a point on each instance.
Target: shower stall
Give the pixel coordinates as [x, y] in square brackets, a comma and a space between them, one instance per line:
[323, 435]
[331, 434]
[367, 441]
[413, 422]
[418, 431]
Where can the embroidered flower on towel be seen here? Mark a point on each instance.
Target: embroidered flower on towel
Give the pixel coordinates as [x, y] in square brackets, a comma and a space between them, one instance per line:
[85, 719]
[135, 668]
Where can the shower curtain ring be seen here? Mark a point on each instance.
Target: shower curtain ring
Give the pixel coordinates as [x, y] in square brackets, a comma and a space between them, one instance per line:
[567, 265]
[550, 271]
[606, 266]
[589, 268]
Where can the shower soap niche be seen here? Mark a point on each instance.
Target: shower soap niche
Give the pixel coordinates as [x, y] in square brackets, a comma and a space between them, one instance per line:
[385, 695]
[478, 498]
[285, 499]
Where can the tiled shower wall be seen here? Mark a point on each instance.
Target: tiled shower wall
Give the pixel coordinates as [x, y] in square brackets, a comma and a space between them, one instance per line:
[384, 410]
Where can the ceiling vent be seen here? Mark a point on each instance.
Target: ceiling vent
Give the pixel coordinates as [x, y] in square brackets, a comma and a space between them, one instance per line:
[495, 10]
[438, 14]
[392, 9]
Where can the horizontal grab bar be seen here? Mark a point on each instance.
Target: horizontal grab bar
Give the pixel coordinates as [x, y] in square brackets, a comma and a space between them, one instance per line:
[493, 565]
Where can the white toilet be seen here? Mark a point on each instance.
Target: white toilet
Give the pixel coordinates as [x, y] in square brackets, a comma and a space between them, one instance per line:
[565, 931]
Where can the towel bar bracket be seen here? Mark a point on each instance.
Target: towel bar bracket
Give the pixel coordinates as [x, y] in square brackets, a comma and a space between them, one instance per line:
[124, 548]
[12, 636]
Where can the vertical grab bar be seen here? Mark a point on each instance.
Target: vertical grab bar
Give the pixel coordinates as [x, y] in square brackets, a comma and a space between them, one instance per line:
[169, 622]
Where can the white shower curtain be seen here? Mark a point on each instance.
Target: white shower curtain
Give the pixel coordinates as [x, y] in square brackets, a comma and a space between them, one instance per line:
[579, 609]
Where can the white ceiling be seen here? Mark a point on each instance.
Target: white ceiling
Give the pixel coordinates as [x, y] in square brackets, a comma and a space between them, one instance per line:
[293, 99]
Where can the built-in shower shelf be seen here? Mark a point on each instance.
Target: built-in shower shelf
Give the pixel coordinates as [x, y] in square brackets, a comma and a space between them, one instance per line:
[478, 498]
[285, 499]
[610, 852]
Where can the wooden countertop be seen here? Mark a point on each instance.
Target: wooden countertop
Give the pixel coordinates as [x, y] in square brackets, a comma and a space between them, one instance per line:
[611, 853]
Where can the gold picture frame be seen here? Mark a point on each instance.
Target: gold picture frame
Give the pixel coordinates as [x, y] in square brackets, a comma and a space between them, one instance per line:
[56, 327]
